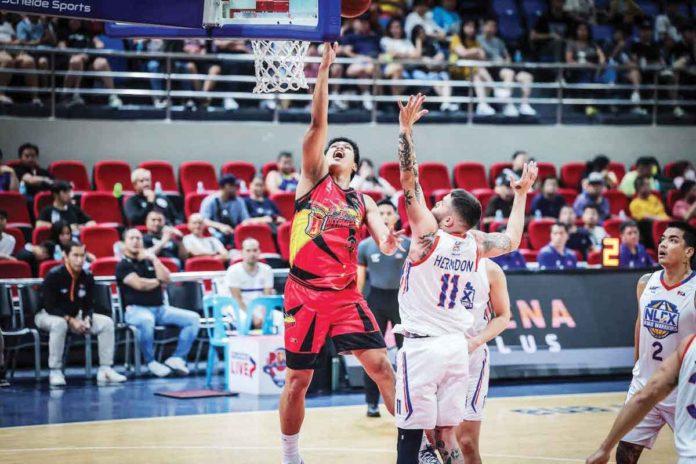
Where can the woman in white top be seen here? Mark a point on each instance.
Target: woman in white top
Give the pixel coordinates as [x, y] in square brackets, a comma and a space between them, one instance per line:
[367, 179]
[198, 245]
[395, 45]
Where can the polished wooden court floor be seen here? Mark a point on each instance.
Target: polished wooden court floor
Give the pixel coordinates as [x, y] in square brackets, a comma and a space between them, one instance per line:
[517, 430]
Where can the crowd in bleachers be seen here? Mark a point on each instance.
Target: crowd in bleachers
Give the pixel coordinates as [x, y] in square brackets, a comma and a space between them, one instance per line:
[620, 37]
[200, 222]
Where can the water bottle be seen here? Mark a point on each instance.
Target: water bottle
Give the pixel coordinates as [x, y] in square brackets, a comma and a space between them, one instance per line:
[622, 215]
[199, 187]
[23, 188]
[118, 190]
[158, 188]
[537, 214]
[498, 214]
[518, 56]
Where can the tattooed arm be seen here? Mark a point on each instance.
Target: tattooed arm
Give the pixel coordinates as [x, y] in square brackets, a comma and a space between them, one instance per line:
[658, 387]
[422, 222]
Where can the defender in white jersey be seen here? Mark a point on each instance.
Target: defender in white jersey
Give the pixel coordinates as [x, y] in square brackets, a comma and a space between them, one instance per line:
[436, 299]
[667, 315]
[678, 370]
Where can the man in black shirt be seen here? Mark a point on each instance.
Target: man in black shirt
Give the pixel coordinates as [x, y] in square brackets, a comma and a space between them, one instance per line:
[579, 239]
[63, 209]
[146, 200]
[549, 33]
[162, 240]
[35, 178]
[500, 205]
[140, 277]
[68, 303]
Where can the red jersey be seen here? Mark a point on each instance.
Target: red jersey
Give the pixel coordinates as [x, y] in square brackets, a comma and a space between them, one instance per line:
[325, 236]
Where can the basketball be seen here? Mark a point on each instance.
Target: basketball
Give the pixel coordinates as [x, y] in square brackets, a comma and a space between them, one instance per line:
[354, 8]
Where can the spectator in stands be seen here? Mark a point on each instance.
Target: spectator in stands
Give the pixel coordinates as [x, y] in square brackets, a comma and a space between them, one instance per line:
[500, 204]
[363, 44]
[434, 68]
[140, 276]
[224, 210]
[646, 205]
[590, 220]
[644, 168]
[685, 208]
[68, 304]
[670, 23]
[72, 33]
[497, 52]
[592, 195]
[157, 66]
[555, 255]
[464, 46]
[512, 261]
[624, 14]
[367, 179]
[35, 178]
[631, 253]
[162, 240]
[63, 209]
[145, 200]
[19, 60]
[199, 245]
[7, 241]
[447, 18]
[578, 239]
[422, 15]
[285, 178]
[582, 50]
[549, 34]
[519, 159]
[62, 235]
[664, 183]
[675, 55]
[251, 279]
[618, 53]
[600, 164]
[395, 45]
[581, 10]
[392, 8]
[311, 71]
[34, 255]
[261, 208]
[8, 178]
[548, 202]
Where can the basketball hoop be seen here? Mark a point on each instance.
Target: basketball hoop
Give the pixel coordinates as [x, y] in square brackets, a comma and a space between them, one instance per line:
[279, 65]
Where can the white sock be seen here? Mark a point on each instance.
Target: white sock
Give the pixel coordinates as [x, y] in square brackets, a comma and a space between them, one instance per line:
[291, 449]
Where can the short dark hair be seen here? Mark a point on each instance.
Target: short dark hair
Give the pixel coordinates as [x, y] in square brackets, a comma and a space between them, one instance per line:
[644, 161]
[626, 224]
[61, 186]
[284, 154]
[70, 245]
[467, 207]
[356, 149]
[25, 146]
[548, 178]
[686, 186]
[57, 228]
[3, 214]
[49, 246]
[386, 202]
[689, 237]
[562, 224]
[590, 207]
[518, 153]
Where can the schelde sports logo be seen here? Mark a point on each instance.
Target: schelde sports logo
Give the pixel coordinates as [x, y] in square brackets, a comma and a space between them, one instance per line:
[275, 366]
[242, 364]
[54, 6]
[661, 318]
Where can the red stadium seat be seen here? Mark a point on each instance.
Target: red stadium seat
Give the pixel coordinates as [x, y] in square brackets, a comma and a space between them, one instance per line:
[104, 266]
[243, 170]
[193, 172]
[162, 172]
[260, 232]
[470, 175]
[283, 236]
[496, 170]
[571, 175]
[16, 206]
[268, 167]
[658, 228]
[192, 203]
[540, 232]
[653, 254]
[617, 168]
[46, 266]
[484, 196]
[13, 163]
[285, 201]
[71, 171]
[434, 176]
[617, 201]
[107, 173]
[675, 169]
[99, 240]
[569, 195]
[672, 197]
[14, 270]
[530, 256]
[594, 258]
[102, 207]
[391, 172]
[204, 264]
[612, 226]
[41, 200]
[40, 234]
[170, 264]
[374, 194]
[546, 170]
[18, 236]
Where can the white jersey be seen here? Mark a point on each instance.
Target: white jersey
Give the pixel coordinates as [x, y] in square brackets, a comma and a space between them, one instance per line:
[482, 308]
[685, 420]
[667, 316]
[439, 292]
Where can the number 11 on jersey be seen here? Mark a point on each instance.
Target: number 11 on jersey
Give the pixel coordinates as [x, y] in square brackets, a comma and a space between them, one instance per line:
[448, 279]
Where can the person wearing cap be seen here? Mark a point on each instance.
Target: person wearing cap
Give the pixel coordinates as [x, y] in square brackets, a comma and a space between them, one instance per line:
[500, 205]
[63, 209]
[592, 195]
[223, 210]
[145, 200]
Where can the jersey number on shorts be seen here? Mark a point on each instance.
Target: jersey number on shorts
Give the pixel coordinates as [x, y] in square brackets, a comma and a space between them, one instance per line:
[658, 350]
[446, 280]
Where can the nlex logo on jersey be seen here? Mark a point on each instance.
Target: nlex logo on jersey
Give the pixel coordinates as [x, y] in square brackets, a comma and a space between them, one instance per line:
[661, 318]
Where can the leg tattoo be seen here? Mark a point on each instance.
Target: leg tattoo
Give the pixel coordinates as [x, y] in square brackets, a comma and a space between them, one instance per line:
[628, 453]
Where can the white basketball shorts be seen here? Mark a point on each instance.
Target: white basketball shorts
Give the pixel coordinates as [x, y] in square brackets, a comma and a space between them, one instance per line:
[479, 375]
[431, 379]
[645, 433]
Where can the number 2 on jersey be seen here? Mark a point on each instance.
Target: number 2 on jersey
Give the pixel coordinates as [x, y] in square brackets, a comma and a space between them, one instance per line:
[658, 350]
[446, 280]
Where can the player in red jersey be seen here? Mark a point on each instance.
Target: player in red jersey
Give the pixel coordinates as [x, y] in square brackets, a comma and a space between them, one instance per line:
[321, 295]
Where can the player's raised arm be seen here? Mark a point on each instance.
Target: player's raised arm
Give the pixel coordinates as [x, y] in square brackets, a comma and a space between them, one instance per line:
[658, 387]
[496, 244]
[313, 162]
[500, 302]
[420, 218]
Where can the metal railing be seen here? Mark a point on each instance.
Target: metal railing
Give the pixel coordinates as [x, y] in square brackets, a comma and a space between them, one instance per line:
[560, 92]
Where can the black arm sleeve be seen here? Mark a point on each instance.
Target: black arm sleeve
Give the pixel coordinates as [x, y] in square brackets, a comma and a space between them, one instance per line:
[135, 214]
[49, 295]
[82, 217]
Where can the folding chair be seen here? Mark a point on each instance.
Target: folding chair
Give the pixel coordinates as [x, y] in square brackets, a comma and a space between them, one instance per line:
[218, 336]
[270, 303]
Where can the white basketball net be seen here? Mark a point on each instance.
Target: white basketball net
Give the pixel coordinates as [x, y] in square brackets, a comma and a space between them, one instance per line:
[279, 65]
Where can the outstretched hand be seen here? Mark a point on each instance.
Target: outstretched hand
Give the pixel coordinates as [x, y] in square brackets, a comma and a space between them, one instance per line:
[392, 241]
[329, 54]
[599, 457]
[412, 112]
[526, 181]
